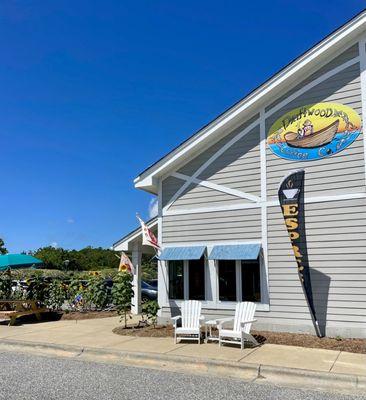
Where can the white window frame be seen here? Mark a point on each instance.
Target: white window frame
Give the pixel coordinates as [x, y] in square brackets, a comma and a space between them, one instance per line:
[212, 283]
[186, 281]
[168, 282]
[239, 280]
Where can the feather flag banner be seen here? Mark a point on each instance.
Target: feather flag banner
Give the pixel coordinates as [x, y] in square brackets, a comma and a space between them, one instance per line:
[125, 264]
[148, 238]
[291, 197]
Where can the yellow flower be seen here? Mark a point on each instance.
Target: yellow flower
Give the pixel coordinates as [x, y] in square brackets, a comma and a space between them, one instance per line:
[123, 268]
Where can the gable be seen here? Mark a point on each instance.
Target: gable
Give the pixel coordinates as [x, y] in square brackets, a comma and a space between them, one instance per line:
[228, 173]
[302, 67]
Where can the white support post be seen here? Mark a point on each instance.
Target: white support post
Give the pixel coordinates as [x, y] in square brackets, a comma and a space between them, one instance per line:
[136, 261]
[263, 158]
[212, 282]
[163, 278]
[362, 55]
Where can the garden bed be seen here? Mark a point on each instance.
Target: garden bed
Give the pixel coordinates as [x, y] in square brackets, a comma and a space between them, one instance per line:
[288, 339]
[62, 316]
[76, 315]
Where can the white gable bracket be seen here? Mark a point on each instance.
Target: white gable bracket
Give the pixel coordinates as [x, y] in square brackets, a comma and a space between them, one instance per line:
[220, 188]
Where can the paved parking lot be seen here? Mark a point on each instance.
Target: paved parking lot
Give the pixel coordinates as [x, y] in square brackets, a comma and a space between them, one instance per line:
[29, 377]
[97, 333]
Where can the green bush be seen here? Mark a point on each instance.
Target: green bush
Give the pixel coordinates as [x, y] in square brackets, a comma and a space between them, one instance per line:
[57, 294]
[150, 309]
[122, 294]
[76, 288]
[37, 288]
[97, 293]
[5, 285]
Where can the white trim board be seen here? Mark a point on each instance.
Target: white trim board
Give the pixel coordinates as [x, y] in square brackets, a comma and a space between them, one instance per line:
[295, 71]
[264, 227]
[215, 186]
[231, 207]
[209, 162]
[220, 305]
[362, 52]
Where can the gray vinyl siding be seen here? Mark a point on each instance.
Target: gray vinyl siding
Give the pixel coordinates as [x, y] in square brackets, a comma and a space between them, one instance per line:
[342, 173]
[233, 225]
[237, 168]
[198, 196]
[336, 241]
[336, 230]
[170, 186]
[349, 54]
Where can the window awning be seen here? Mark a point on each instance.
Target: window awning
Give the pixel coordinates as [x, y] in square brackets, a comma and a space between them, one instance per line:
[248, 251]
[182, 253]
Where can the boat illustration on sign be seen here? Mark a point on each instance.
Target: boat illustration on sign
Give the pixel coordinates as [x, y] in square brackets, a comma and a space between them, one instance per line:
[313, 139]
[314, 131]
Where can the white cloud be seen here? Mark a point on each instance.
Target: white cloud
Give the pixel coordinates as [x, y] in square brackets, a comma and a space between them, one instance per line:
[70, 220]
[54, 244]
[153, 207]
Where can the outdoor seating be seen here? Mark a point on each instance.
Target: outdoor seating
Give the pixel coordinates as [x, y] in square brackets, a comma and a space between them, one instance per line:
[242, 323]
[191, 321]
[13, 309]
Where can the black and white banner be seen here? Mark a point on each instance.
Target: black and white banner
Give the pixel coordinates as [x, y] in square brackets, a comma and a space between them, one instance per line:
[291, 196]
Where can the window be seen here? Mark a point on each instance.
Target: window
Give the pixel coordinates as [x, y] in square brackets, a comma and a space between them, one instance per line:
[227, 280]
[176, 280]
[196, 279]
[251, 281]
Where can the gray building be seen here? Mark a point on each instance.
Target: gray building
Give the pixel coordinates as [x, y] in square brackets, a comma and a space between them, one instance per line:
[220, 224]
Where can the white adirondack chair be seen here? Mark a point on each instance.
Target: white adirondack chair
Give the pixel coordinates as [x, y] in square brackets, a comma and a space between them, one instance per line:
[244, 317]
[191, 321]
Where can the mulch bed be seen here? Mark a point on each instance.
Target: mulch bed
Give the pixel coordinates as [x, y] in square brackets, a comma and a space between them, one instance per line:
[288, 339]
[303, 340]
[62, 316]
[76, 315]
[145, 331]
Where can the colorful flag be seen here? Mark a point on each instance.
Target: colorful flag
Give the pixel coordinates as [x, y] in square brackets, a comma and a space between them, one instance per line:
[125, 264]
[291, 196]
[148, 238]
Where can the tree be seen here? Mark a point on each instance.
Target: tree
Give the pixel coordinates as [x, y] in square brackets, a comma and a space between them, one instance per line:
[53, 258]
[3, 249]
[87, 259]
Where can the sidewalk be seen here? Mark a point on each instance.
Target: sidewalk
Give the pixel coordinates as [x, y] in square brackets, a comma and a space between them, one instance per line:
[97, 335]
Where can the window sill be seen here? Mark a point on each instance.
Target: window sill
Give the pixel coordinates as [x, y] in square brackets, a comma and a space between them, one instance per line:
[222, 305]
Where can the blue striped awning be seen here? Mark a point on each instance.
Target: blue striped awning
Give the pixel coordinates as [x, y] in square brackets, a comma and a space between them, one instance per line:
[182, 253]
[248, 251]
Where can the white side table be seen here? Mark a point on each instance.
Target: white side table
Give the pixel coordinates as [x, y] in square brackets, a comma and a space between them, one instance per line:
[209, 325]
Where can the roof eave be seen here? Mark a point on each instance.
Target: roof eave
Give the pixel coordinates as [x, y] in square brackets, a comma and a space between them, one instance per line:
[123, 244]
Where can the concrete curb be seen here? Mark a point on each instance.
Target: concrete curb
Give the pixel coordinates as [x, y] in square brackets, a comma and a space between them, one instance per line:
[262, 374]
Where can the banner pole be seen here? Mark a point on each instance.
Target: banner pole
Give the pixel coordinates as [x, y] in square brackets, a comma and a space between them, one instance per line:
[291, 197]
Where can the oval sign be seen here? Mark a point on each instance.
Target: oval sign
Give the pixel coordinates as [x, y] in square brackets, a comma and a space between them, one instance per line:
[314, 131]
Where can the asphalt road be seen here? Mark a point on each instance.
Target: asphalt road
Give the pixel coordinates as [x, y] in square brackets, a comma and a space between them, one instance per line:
[27, 377]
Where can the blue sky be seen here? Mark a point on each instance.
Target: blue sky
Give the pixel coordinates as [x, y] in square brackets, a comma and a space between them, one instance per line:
[92, 92]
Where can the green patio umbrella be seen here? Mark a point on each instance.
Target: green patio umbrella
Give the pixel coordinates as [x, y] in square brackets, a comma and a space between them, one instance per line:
[14, 261]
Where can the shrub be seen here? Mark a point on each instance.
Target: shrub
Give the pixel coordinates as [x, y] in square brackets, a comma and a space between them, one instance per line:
[76, 293]
[5, 285]
[37, 288]
[150, 309]
[122, 294]
[56, 295]
[97, 293]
